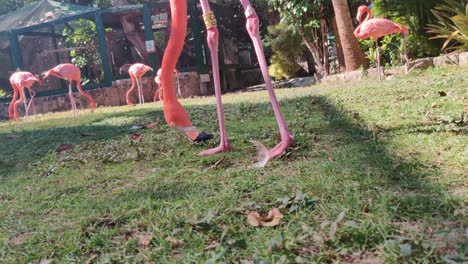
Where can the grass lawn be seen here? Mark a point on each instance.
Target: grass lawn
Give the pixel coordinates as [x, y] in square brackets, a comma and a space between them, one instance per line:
[378, 174]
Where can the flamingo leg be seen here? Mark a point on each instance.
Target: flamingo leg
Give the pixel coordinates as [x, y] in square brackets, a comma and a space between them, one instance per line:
[129, 92]
[142, 92]
[406, 54]
[26, 108]
[13, 100]
[253, 30]
[21, 100]
[32, 94]
[212, 40]
[378, 59]
[72, 98]
[139, 90]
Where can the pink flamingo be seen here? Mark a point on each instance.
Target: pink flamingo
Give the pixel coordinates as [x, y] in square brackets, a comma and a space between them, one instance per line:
[158, 94]
[376, 28]
[176, 115]
[70, 73]
[19, 81]
[136, 72]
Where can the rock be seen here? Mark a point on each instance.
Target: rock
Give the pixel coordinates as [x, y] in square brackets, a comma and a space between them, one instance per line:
[421, 64]
[442, 61]
[463, 58]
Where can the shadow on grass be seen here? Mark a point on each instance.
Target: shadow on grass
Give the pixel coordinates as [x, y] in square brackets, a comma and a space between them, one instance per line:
[316, 114]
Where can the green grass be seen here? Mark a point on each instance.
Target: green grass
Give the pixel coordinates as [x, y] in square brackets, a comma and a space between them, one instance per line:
[381, 153]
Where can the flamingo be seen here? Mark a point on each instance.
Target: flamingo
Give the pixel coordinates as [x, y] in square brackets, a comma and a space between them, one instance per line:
[19, 81]
[376, 28]
[70, 73]
[158, 94]
[174, 112]
[136, 71]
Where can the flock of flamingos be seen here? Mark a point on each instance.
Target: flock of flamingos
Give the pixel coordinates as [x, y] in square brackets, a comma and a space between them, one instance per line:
[174, 112]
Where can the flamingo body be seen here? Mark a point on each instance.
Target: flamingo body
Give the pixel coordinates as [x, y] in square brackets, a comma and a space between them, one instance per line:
[376, 28]
[70, 73]
[19, 81]
[136, 72]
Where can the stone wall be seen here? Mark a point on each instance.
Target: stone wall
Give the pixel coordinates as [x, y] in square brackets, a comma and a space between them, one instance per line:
[107, 96]
[189, 83]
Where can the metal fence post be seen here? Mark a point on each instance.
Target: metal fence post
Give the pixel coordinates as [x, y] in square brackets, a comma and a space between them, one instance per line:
[103, 49]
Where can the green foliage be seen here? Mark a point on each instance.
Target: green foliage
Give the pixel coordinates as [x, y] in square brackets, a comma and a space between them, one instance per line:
[451, 25]
[415, 15]
[84, 38]
[287, 48]
[3, 94]
[391, 50]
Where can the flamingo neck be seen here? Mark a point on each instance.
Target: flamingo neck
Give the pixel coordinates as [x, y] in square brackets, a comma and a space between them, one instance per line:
[369, 15]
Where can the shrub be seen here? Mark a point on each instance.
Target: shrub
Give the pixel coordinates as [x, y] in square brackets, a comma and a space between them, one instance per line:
[452, 24]
[287, 49]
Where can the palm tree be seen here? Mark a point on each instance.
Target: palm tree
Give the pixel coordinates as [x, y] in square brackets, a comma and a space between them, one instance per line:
[353, 55]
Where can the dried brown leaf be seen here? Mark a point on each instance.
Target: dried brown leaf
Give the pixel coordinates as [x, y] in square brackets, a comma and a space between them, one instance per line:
[175, 243]
[90, 260]
[45, 261]
[20, 239]
[253, 218]
[273, 218]
[136, 137]
[213, 245]
[64, 147]
[152, 125]
[145, 239]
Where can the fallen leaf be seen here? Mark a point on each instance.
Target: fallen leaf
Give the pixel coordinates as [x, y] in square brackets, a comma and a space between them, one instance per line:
[136, 127]
[435, 105]
[262, 152]
[64, 147]
[20, 239]
[45, 261]
[334, 226]
[152, 125]
[273, 218]
[213, 245]
[90, 260]
[253, 218]
[88, 134]
[175, 243]
[442, 93]
[136, 137]
[217, 163]
[145, 239]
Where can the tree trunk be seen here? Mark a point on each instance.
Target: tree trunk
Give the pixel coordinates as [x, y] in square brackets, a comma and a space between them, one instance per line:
[339, 47]
[325, 52]
[353, 55]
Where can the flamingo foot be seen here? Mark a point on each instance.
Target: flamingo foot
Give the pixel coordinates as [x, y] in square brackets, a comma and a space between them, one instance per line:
[226, 147]
[265, 154]
[193, 134]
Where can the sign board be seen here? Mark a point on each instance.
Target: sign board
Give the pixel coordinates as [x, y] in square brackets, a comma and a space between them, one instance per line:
[150, 47]
[204, 78]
